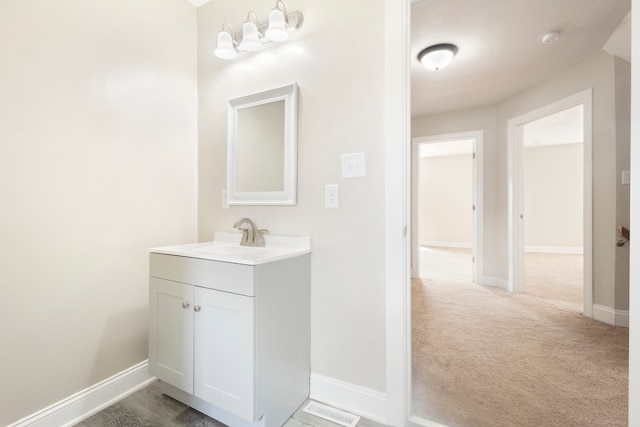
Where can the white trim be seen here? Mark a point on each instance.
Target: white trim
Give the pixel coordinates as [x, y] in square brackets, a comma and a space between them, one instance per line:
[604, 314]
[93, 399]
[574, 250]
[622, 318]
[350, 397]
[397, 211]
[611, 316]
[634, 250]
[414, 420]
[495, 282]
[477, 246]
[516, 196]
[465, 245]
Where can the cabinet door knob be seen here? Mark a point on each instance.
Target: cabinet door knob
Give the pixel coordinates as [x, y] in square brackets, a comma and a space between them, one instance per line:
[185, 304]
[196, 308]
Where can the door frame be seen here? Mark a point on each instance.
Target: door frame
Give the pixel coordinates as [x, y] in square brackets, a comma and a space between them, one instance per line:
[516, 192]
[397, 211]
[477, 195]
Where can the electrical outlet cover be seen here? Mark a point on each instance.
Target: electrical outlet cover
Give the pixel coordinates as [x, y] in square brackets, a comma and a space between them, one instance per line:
[331, 196]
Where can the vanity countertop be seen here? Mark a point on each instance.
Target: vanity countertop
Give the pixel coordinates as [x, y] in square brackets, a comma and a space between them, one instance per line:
[226, 248]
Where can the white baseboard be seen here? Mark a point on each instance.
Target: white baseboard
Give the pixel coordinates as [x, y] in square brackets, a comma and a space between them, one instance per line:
[611, 316]
[466, 245]
[352, 398]
[495, 282]
[419, 421]
[87, 402]
[578, 250]
[359, 400]
[622, 318]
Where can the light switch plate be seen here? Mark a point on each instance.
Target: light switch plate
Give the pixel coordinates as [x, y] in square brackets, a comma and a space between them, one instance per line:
[353, 165]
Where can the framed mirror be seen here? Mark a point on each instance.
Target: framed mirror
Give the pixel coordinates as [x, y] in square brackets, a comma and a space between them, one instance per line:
[262, 148]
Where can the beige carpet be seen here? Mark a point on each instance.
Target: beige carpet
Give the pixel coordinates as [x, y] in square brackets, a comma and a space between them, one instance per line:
[555, 277]
[485, 357]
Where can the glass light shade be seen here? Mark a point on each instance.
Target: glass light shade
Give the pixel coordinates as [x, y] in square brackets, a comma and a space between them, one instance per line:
[277, 30]
[438, 56]
[250, 37]
[225, 49]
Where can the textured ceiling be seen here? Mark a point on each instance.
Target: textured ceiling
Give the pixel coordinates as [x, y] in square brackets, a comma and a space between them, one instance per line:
[500, 49]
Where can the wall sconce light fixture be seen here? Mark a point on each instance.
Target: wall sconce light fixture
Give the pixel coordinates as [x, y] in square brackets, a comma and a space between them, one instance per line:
[437, 56]
[254, 35]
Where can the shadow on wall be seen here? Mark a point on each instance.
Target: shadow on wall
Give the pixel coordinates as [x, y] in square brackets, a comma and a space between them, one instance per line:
[110, 360]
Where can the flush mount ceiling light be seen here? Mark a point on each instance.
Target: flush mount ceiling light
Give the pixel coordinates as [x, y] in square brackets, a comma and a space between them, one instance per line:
[437, 56]
[254, 35]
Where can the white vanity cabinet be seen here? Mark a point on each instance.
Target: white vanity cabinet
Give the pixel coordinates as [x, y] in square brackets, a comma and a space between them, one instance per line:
[231, 340]
[204, 343]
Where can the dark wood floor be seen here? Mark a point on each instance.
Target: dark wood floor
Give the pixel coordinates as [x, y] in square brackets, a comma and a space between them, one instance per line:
[148, 407]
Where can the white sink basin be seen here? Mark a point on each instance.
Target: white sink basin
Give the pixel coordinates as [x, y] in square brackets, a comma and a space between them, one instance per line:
[226, 248]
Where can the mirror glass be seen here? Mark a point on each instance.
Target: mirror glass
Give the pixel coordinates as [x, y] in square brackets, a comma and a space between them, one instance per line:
[262, 148]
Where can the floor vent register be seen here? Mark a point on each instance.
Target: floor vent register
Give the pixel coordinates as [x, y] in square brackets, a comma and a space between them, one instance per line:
[328, 413]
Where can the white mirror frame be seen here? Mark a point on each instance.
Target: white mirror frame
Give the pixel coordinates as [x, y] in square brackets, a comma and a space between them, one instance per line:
[289, 195]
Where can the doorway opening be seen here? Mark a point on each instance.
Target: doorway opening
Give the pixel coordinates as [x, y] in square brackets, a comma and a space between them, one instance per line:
[553, 202]
[551, 212]
[447, 205]
[447, 235]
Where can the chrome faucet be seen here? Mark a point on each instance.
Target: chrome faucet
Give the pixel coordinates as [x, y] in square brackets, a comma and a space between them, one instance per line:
[251, 236]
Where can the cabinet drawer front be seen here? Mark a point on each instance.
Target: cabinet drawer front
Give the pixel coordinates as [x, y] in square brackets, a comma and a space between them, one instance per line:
[223, 276]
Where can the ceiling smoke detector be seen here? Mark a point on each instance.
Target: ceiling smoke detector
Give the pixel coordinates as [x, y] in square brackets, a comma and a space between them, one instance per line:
[551, 37]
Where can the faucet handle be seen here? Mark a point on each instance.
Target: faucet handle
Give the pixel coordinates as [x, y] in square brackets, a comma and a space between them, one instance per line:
[259, 238]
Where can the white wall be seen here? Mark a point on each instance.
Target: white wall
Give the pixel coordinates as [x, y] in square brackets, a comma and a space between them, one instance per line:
[553, 191]
[446, 197]
[340, 72]
[98, 136]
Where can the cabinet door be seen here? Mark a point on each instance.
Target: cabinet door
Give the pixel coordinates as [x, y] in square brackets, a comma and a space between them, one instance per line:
[171, 332]
[224, 351]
